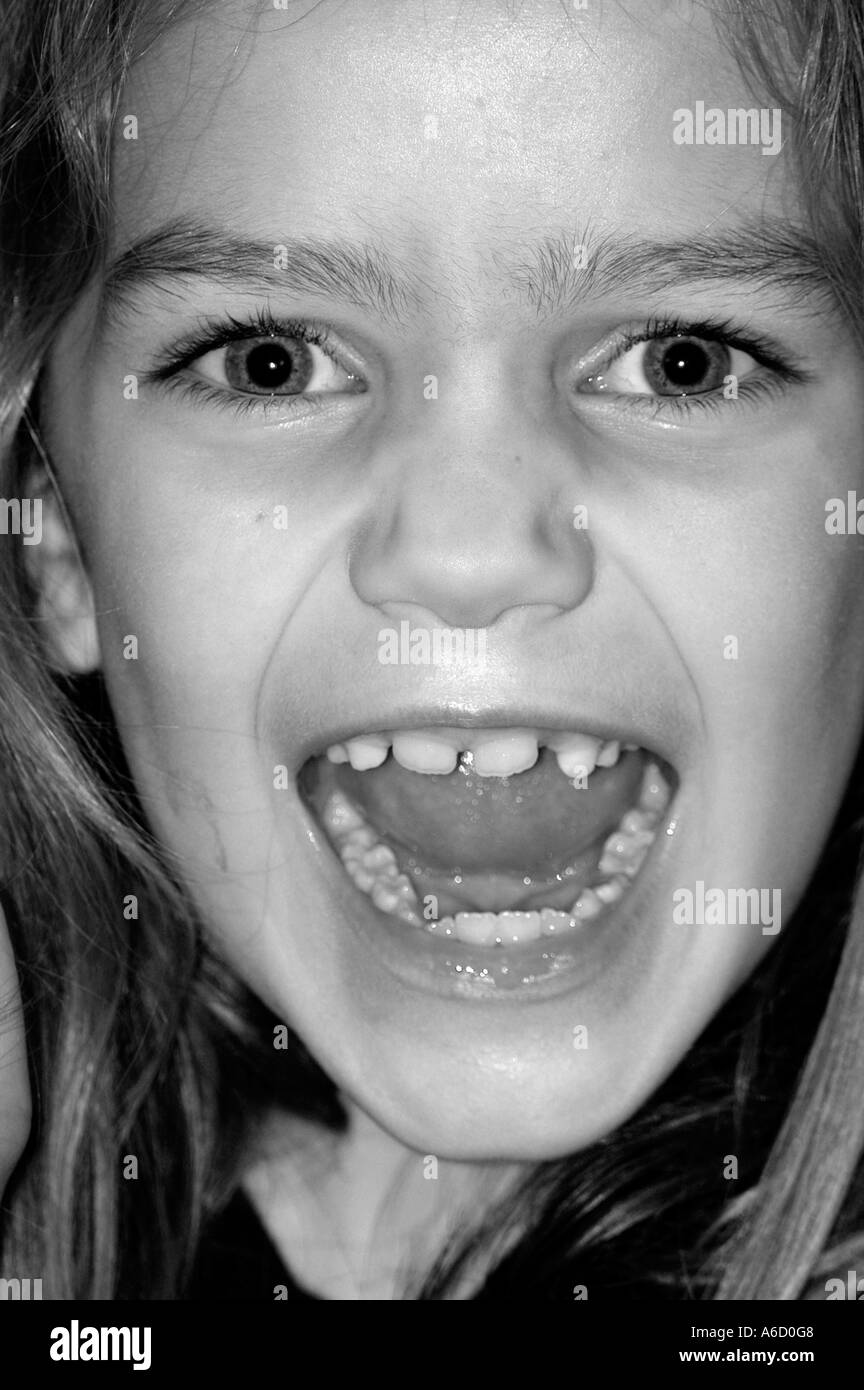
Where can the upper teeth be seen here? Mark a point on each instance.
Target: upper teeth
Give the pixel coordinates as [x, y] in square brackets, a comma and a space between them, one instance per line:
[490, 752]
[362, 753]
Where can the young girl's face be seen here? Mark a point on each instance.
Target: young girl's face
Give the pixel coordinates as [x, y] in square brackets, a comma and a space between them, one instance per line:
[458, 242]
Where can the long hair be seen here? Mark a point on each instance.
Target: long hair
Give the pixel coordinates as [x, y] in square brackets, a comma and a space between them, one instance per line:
[146, 1057]
[142, 1045]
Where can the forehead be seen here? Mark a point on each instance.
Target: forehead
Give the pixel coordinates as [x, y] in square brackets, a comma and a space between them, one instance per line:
[455, 130]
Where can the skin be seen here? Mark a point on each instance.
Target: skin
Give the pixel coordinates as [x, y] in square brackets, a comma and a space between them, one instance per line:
[457, 511]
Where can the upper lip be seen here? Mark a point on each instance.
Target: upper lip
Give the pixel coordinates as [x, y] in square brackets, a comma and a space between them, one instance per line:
[316, 741]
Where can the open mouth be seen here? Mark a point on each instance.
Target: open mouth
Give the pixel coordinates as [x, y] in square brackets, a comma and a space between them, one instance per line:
[505, 845]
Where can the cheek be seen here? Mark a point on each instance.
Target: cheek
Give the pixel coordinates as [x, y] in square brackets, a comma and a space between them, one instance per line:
[768, 608]
[193, 579]
[189, 616]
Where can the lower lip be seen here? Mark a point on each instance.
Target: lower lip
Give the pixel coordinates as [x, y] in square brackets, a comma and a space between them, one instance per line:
[451, 969]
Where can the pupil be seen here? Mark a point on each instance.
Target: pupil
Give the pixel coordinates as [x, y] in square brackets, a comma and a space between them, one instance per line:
[269, 365]
[685, 364]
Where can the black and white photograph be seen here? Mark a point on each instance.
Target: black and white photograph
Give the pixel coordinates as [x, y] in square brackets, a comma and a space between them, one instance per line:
[431, 669]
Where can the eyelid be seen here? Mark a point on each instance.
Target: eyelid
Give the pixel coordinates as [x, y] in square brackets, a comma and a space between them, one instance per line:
[214, 332]
[171, 373]
[779, 370]
[606, 384]
[344, 386]
[766, 351]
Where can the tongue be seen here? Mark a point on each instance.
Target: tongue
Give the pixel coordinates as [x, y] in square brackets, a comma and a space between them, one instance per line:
[534, 822]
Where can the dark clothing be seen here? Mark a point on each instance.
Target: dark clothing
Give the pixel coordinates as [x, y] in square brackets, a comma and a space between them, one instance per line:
[238, 1263]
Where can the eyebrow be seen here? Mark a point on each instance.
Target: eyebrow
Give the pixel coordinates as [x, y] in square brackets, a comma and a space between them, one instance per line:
[770, 255]
[359, 273]
[550, 275]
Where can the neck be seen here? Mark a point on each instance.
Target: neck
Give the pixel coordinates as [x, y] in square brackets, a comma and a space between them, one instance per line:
[359, 1215]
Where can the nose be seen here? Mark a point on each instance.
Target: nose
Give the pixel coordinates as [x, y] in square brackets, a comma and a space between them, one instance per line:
[473, 520]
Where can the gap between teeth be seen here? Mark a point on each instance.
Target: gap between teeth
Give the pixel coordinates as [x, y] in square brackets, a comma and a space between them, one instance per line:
[489, 753]
[374, 868]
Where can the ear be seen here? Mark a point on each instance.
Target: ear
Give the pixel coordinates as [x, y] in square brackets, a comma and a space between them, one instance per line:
[64, 596]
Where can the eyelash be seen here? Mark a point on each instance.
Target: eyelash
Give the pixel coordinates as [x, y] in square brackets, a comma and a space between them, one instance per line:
[214, 333]
[764, 351]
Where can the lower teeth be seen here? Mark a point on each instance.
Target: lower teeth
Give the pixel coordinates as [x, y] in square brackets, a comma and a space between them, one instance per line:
[374, 868]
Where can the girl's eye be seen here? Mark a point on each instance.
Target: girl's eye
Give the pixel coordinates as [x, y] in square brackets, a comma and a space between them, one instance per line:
[272, 366]
[673, 366]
